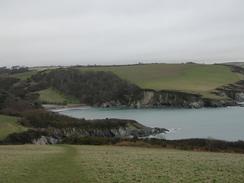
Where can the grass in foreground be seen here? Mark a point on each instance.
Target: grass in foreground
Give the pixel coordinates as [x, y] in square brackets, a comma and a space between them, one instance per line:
[65, 163]
[196, 78]
[8, 125]
[52, 96]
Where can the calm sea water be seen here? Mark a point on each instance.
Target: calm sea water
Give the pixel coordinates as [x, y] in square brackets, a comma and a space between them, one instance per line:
[219, 123]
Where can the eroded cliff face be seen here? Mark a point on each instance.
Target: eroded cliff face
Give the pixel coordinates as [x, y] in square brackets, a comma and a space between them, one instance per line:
[153, 98]
[233, 91]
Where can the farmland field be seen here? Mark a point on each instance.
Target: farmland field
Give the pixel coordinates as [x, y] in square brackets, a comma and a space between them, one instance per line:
[66, 163]
[8, 125]
[196, 78]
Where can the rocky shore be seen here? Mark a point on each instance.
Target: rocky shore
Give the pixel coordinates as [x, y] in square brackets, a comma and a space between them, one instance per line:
[57, 131]
[55, 136]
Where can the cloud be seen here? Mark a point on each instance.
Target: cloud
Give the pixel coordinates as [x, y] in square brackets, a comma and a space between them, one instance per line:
[67, 32]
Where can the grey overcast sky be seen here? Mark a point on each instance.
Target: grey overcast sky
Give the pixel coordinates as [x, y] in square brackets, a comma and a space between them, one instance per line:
[68, 32]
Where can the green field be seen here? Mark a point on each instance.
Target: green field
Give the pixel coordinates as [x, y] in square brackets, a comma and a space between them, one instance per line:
[66, 163]
[8, 125]
[196, 78]
[52, 96]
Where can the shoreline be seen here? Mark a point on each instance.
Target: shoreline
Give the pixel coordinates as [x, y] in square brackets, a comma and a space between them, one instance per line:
[59, 108]
[63, 107]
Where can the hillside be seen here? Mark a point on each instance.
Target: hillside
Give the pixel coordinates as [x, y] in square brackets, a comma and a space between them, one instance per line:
[143, 85]
[65, 163]
[91, 88]
[195, 78]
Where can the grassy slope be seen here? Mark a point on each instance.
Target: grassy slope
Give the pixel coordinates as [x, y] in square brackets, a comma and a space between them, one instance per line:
[52, 96]
[31, 163]
[9, 125]
[183, 77]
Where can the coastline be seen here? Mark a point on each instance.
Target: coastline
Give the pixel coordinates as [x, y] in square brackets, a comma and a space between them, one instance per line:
[59, 108]
[180, 126]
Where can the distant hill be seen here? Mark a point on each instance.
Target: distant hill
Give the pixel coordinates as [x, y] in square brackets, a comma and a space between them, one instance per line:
[196, 78]
[191, 78]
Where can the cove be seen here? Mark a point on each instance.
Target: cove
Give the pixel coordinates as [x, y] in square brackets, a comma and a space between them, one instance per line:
[218, 123]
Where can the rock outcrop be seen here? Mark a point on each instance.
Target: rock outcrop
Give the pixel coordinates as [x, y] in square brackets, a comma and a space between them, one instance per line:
[233, 91]
[229, 96]
[132, 130]
[153, 98]
[45, 140]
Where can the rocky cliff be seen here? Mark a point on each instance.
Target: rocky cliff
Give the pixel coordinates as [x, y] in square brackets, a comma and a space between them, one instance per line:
[153, 98]
[233, 91]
